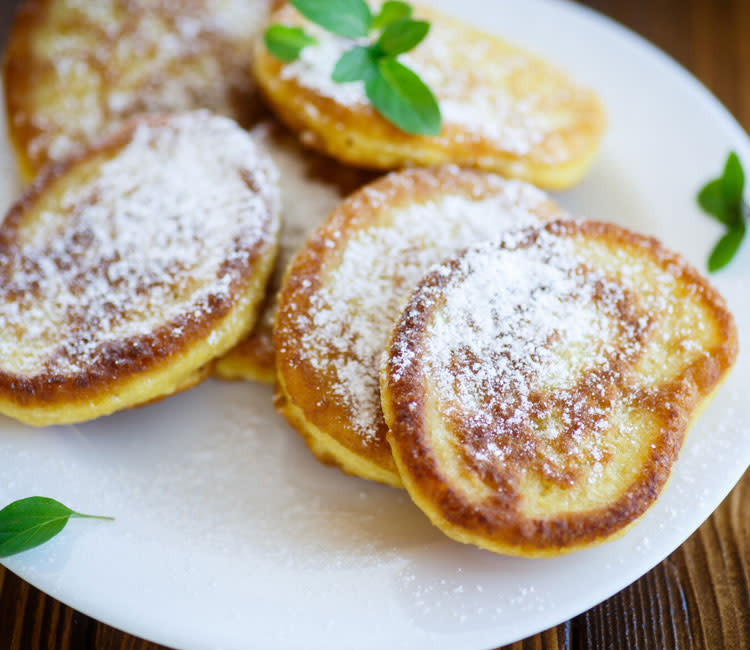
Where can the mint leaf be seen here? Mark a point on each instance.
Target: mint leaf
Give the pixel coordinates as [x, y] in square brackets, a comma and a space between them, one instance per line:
[390, 12]
[726, 248]
[401, 97]
[358, 64]
[733, 181]
[402, 36]
[711, 199]
[286, 43]
[349, 18]
[27, 523]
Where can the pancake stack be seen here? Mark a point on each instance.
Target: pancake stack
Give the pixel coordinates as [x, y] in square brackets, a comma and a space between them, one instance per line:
[447, 328]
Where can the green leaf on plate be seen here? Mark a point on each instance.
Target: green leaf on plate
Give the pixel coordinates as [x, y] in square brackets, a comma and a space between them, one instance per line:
[391, 12]
[726, 248]
[401, 97]
[27, 523]
[350, 18]
[358, 64]
[402, 36]
[286, 43]
[711, 199]
[733, 180]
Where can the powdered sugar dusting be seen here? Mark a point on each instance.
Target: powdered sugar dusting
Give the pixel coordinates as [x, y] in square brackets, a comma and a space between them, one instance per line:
[511, 326]
[162, 231]
[352, 315]
[118, 59]
[481, 89]
[312, 187]
[544, 351]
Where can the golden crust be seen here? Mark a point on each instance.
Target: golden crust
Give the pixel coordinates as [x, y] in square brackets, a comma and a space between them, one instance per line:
[506, 509]
[73, 73]
[166, 353]
[552, 146]
[317, 368]
[314, 185]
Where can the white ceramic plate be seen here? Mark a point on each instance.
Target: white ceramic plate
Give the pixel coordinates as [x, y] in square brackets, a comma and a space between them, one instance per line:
[230, 535]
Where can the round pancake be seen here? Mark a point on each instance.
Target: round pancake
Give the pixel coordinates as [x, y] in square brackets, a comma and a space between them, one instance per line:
[538, 390]
[313, 186]
[74, 68]
[503, 109]
[127, 269]
[343, 292]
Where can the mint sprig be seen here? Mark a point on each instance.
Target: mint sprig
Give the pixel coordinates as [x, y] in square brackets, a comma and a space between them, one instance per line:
[722, 198]
[394, 90]
[27, 523]
[286, 43]
[349, 18]
[391, 12]
[401, 96]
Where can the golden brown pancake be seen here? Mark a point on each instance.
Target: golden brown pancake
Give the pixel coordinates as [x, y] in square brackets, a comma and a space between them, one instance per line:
[344, 289]
[313, 186]
[126, 270]
[503, 109]
[538, 391]
[77, 68]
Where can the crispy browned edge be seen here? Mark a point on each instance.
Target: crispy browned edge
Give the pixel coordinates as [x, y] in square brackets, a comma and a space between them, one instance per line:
[253, 359]
[19, 76]
[306, 395]
[140, 354]
[387, 147]
[496, 525]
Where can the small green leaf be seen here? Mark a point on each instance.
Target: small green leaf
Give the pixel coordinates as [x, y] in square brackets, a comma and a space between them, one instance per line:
[726, 248]
[402, 36]
[350, 18]
[390, 12]
[401, 97]
[286, 43]
[358, 64]
[711, 199]
[733, 180]
[27, 523]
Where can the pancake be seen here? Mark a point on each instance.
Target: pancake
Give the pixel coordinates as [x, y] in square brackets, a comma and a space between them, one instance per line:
[503, 109]
[343, 291]
[313, 186]
[124, 271]
[74, 69]
[538, 391]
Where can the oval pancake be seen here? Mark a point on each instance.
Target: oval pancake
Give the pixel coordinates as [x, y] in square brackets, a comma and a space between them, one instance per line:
[313, 186]
[126, 270]
[503, 109]
[75, 69]
[343, 292]
[538, 390]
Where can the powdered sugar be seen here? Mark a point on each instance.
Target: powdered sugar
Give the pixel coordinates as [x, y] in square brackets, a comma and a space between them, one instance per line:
[474, 85]
[312, 187]
[167, 223]
[525, 350]
[117, 59]
[352, 315]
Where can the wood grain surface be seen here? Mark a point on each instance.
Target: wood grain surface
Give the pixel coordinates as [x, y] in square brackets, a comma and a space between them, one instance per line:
[699, 597]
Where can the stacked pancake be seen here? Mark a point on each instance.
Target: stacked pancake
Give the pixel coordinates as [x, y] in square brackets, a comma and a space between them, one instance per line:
[528, 378]
[128, 269]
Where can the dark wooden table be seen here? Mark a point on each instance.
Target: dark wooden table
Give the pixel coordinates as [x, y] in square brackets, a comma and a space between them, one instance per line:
[699, 597]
